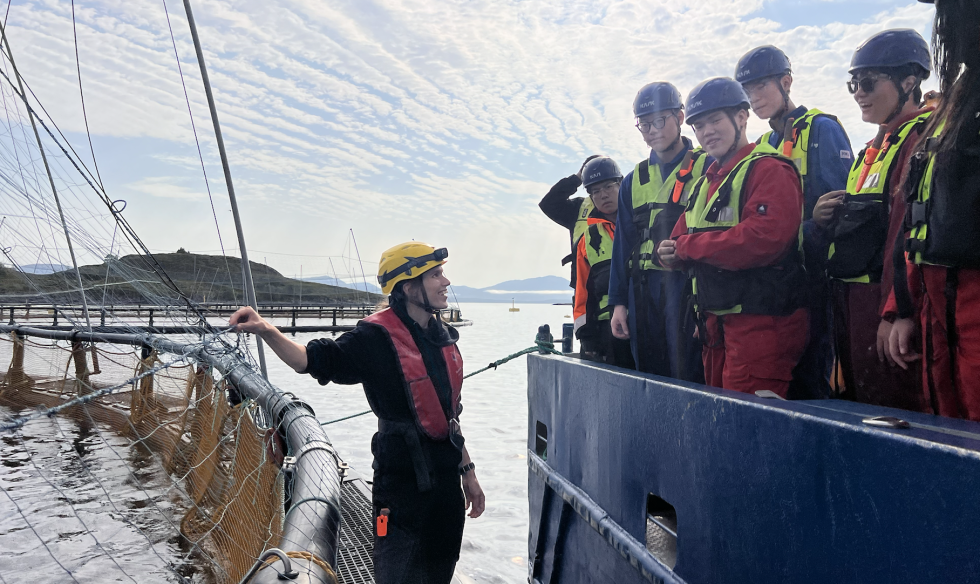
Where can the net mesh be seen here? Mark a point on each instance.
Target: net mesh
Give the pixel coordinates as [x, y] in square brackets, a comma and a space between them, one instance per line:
[118, 464]
[200, 468]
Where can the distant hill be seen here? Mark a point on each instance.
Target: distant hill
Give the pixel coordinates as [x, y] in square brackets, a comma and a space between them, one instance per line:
[331, 281]
[542, 283]
[200, 277]
[540, 290]
[543, 289]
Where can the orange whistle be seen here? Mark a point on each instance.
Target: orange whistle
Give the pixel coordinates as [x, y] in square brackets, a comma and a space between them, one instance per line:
[678, 189]
[382, 528]
[869, 157]
[675, 196]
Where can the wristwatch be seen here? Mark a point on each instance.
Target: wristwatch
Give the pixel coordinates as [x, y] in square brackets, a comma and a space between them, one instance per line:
[466, 468]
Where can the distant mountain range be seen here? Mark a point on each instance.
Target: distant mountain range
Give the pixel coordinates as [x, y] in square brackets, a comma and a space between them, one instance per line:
[543, 290]
[331, 281]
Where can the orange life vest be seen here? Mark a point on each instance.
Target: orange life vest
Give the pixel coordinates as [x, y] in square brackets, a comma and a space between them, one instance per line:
[421, 393]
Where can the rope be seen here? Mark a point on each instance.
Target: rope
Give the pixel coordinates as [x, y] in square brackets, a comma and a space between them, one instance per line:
[331, 575]
[545, 347]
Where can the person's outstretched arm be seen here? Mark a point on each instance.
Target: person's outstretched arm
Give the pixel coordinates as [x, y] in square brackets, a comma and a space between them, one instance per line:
[246, 320]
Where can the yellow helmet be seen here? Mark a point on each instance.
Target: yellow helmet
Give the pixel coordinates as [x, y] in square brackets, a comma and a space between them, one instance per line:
[406, 261]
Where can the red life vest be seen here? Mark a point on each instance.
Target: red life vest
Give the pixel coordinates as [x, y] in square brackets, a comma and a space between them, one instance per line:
[421, 393]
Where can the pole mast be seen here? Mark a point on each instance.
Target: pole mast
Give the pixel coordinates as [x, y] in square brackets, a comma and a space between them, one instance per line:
[246, 267]
[47, 169]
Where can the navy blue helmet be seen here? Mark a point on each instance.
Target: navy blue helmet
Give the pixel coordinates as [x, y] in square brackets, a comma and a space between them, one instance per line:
[600, 169]
[656, 97]
[893, 48]
[761, 62]
[715, 94]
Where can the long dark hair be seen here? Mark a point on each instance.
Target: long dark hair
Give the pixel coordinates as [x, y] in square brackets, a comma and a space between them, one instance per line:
[956, 52]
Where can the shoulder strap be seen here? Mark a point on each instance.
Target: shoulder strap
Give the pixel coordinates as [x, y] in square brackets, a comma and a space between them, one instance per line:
[644, 168]
[694, 192]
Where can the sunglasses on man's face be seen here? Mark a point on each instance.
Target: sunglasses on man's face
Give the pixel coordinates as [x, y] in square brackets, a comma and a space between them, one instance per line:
[865, 84]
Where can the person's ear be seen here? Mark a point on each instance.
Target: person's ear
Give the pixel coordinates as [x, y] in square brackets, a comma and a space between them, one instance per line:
[742, 117]
[786, 81]
[909, 83]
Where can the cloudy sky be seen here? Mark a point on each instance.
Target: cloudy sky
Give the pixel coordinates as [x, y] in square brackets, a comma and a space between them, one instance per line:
[438, 120]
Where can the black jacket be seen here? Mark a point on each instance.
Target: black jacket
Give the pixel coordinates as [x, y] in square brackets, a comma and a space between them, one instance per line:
[558, 205]
[365, 355]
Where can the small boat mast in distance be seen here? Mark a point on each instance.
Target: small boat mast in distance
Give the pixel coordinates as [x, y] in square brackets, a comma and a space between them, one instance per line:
[512, 307]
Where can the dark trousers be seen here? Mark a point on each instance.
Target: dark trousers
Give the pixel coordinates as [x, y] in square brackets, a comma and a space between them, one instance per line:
[866, 378]
[425, 530]
[662, 326]
[603, 347]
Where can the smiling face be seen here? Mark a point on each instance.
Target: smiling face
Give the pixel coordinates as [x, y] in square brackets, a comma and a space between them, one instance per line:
[717, 134]
[605, 196]
[876, 95]
[661, 138]
[436, 286]
[765, 97]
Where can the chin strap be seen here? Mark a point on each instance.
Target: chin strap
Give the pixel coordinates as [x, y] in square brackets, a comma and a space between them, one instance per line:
[785, 109]
[903, 96]
[425, 304]
[679, 137]
[738, 137]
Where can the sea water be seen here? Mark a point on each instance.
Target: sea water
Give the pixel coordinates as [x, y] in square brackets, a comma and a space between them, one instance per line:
[84, 493]
[494, 421]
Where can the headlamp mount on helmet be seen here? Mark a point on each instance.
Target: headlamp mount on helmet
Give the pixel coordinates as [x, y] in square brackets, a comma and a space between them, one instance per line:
[412, 263]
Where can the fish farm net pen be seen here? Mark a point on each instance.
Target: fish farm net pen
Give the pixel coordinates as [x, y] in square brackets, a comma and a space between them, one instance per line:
[176, 444]
[134, 457]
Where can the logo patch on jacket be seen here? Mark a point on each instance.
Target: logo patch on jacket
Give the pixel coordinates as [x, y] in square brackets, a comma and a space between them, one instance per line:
[761, 210]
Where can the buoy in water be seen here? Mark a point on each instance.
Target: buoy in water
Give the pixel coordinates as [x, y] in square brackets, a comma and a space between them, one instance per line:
[512, 307]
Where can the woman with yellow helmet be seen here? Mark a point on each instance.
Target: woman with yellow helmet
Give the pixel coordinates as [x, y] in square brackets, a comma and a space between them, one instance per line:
[407, 361]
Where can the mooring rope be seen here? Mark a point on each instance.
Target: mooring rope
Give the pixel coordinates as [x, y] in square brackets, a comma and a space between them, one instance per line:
[545, 347]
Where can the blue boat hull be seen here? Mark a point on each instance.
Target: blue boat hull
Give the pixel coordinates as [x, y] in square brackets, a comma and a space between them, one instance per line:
[763, 490]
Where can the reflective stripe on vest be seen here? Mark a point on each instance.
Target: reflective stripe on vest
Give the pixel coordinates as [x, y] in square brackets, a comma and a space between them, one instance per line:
[859, 233]
[598, 253]
[918, 210]
[582, 221]
[801, 139]
[654, 211]
[944, 200]
[773, 290]
[421, 393]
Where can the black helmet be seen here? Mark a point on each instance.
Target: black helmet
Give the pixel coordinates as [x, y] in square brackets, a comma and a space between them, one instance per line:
[656, 97]
[715, 94]
[893, 48]
[761, 62]
[599, 169]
